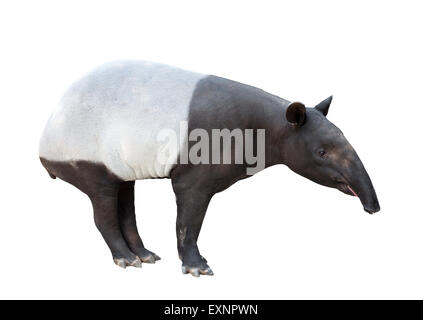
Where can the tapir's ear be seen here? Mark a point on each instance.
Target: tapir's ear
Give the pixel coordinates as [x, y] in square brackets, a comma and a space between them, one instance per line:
[323, 106]
[296, 113]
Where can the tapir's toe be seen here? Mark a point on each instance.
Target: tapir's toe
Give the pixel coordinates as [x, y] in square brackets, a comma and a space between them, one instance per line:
[123, 262]
[197, 271]
[207, 272]
[148, 256]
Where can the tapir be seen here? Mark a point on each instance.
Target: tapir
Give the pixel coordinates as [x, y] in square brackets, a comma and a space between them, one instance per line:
[105, 134]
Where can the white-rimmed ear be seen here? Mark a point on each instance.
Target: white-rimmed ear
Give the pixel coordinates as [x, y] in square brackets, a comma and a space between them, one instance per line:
[323, 106]
[296, 113]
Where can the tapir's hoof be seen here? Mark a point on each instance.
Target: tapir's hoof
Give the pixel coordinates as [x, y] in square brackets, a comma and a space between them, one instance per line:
[123, 263]
[148, 256]
[196, 272]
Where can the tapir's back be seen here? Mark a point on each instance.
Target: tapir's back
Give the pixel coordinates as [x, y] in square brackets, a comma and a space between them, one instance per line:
[113, 116]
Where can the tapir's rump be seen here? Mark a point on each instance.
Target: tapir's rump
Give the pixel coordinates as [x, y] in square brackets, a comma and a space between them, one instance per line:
[113, 115]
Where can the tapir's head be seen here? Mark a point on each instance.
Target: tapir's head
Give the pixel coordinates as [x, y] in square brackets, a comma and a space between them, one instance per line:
[318, 150]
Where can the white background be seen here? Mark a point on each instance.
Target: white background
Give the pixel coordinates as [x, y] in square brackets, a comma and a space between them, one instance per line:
[275, 235]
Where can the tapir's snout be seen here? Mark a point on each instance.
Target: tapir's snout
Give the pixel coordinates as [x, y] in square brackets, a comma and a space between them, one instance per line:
[367, 195]
[374, 208]
[369, 198]
[365, 192]
[362, 187]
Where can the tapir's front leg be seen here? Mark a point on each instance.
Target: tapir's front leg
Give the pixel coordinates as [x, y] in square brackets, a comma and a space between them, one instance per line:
[192, 205]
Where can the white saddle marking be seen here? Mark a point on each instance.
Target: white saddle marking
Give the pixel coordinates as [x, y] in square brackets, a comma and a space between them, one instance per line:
[113, 116]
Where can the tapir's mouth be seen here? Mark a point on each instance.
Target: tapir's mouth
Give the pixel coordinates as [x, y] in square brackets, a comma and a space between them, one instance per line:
[346, 188]
[352, 191]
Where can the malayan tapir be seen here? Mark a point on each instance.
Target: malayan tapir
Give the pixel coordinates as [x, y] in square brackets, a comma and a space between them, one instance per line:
[105, 134]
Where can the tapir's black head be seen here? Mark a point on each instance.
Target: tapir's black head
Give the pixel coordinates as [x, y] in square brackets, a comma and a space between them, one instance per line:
[318, 150]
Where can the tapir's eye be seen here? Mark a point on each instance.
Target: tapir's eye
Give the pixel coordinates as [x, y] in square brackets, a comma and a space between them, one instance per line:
[322, 153]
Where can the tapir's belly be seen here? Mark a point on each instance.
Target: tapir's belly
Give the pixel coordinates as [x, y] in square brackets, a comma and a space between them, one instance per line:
[114, 115]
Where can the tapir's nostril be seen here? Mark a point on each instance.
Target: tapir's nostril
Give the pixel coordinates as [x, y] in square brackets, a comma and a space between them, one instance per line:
[372, 210]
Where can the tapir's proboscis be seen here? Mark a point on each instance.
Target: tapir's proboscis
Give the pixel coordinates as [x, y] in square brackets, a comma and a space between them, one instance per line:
[110, 130]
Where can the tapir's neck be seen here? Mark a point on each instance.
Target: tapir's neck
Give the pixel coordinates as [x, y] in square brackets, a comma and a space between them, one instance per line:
[268, 112]
[277, 131]
[219, 103]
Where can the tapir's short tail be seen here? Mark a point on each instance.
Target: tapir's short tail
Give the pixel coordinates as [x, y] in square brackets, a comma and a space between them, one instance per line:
[48, 171]
[51, 175]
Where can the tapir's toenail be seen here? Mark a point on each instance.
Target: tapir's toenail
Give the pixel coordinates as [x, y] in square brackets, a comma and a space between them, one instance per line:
[137, 263]
[120, 262]
[149, 259]
[208, 272]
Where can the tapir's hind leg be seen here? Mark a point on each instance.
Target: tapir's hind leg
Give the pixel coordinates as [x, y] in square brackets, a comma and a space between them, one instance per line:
[102, 187]
[105, 204]
[128, 223]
